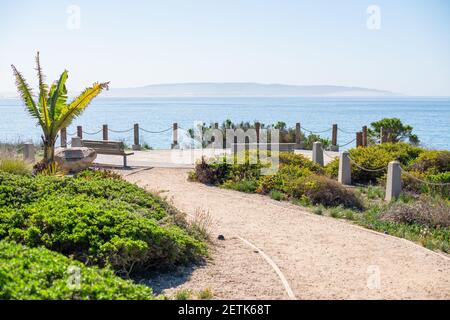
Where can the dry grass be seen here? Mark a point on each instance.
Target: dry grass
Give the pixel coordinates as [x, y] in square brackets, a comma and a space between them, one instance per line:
[201, 224]
[14, 165]
[427, 211]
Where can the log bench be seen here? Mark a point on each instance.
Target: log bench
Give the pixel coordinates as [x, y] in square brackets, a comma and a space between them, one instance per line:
[108, 147]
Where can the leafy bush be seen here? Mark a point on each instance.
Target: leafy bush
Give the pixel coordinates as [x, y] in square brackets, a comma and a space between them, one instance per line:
[15, 166]
[16, 191]
[211, 174]
[298, 160]
[97, 220]
[322, 190]
[432, 162]
[98, 231]
[276, 195]
[248, 186]
[38, 273]
[431, 212]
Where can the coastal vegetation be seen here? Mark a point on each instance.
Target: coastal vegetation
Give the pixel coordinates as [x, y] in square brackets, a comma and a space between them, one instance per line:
[286, 134]
[94, 220]
[421, 214]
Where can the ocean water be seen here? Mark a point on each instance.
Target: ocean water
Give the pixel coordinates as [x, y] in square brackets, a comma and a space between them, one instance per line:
[430, 117]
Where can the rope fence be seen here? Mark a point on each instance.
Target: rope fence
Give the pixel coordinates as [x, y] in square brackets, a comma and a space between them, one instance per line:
[360, 140]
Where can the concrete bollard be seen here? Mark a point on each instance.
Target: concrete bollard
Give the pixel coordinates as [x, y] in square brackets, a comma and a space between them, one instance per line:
[136, 145]
[334, 146]
[175, 136]
[345, 172]
[394, 181]
[63, 137]
[28, 152]
[76, 142]
[317, 153]
[105, 132]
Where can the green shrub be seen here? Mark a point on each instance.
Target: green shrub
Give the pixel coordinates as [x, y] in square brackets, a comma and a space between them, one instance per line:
[276, 195]
[38, 273]
[432, 162]
[299, 161]
[15, 166]
[16, 191]
[211, 173]
[99, 231]
[322, 190]
[248, 186]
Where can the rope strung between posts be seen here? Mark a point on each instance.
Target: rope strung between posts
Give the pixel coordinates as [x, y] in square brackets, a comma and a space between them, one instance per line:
[120, 131]
[92, 133]
[316, 132]
[439, 184]
[148, 131]
[366, 169]
[346, 144]
[345, 131]
[328, 155]
[71, 134]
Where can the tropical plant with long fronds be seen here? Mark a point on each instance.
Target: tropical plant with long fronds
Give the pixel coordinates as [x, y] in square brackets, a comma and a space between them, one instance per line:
[52, 110]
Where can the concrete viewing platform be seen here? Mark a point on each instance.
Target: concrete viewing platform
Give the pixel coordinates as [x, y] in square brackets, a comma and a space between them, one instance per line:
[181, 158]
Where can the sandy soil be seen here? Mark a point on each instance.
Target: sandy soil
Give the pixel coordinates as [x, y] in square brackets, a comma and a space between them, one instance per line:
[319, 257]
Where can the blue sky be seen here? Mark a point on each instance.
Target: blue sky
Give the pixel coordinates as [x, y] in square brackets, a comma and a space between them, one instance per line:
[135, 43]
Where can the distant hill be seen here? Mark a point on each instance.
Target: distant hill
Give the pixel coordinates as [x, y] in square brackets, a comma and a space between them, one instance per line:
[236, 89]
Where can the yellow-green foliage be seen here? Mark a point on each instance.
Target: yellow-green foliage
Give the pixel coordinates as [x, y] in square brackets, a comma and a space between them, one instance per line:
[432, 162]
[38, 273]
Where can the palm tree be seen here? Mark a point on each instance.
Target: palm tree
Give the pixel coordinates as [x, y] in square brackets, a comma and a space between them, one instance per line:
[52, 111]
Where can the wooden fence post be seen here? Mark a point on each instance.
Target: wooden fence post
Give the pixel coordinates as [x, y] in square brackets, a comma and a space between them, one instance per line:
[359, 139]
[334, 146]
[80, 132]
[105, 132]
[175, 136]
[257, 128]
[298, 136]
[364, 136]
[136, 145]
[63, 137]
[394, 181]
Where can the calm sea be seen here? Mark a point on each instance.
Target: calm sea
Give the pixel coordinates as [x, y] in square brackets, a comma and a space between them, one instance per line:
[430, 117]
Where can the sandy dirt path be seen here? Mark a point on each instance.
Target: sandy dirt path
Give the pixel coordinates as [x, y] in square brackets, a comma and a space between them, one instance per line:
[319, 257]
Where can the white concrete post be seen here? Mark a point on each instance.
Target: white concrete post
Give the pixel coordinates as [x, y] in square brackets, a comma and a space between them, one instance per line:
[28, 152]
[76, 142]
[345, 173]
[394, 181]
[317, 153]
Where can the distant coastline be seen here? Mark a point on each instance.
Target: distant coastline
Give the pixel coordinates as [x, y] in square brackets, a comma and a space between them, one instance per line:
[247, 89]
